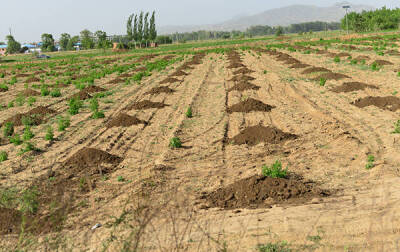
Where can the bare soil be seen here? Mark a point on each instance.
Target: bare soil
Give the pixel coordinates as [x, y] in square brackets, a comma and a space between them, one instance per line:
[249, 105]
[259, 134]
[390, 103]
[352, 86]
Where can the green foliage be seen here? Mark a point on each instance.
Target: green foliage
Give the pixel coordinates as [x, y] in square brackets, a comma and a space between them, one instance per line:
[375, 20]
[44, 90]
[29, 201]
[4, 86]
[12, 45]
[20, 100]
[374, 66]
[27, 121]
[8, 129]
[87, 39]
[64, 40]
[336, 59]
[74, 105]
[175, 142]
[94, 106]
[322, 82]
[396, 127]
[47, 43]
[31, 101]
[189, 113]
[10, 104]
[16, 140]
[370, 162]
[2, 75]
[353, 62]
[55, 92]
[274, 171]
[120, 179]
[28, 134]
[279, 31]
[3, 156]
[63, 123]
[28, 146]
[275, 247]
[49, 134]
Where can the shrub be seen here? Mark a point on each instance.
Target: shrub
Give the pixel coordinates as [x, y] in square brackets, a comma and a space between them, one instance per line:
[274, 171]
[74, 105]
[175, 142]
[322, 82]
[3, 156]
[8, 129]
[20, 100]
[336, 59]
[55, 92]
[44, 90]
[27, 148]
[16, 140]
[396, 127]
[63, 123]
[31, 101]
[49, 134]
[4, 86]
[189, 113]
[28, 134]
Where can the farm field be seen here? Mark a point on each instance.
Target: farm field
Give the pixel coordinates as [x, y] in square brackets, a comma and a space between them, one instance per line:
[178, 149]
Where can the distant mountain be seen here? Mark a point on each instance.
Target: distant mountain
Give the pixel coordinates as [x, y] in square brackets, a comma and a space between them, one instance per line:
[281, 16]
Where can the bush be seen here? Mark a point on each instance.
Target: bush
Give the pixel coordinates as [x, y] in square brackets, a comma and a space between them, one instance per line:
[31, 101]
[49, 134]
[28, 134]
[74, 105]
[63, 123]
[175, 142]
[55, 92]
[8, 129]
[274, 171]
[44, 90]
[3, 156]
[336, 59]
[16, 140]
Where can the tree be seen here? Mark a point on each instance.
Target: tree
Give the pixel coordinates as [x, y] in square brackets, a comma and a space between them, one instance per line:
[72, 42]
[153, 31]
[12, 45]
[87, 39]
[146, 28]
[129, 28]
[64, 39]
[140, 27]
[47, 43]
[135, 29]
[279, 31]
[101, 38]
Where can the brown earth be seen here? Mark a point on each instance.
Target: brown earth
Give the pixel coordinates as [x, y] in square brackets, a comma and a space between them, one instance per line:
[299, 65]
[331, 76]
[242, 86]
[178, 73]
[82, 95]
[382, 62]
[37, 115]
[169, 80]
[10, 221]
[242, 78]
[352, 86]
[159, 90]
[90, 157]
[260, 191]
[30, 92]
[315, 70]
[390, 103]
[32, 79]
[249, 105]
[92, 89]
[236, 65]
[146, 104]
[116, 81]
[243, 70]
[257, 134]
[124, 120]
[22, 75]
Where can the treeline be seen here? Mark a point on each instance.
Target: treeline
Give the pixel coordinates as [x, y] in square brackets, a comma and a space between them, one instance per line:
[376, 20]
[140, 30]
[259, 30]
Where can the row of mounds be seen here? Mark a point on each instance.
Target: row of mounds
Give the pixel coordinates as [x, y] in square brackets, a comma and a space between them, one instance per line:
[249, 105]
[124, 120]
[352, 86]
[390, 103]
[254, 135]
[59, 193]
[36, 116]
[262, 192]
[240, 75]
[146, 104]
[85, 93]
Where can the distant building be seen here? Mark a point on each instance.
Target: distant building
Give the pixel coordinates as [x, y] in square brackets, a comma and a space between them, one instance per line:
[3, 49]
[32, 48]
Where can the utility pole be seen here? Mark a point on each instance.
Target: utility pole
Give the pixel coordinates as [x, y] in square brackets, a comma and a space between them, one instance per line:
[346, 7]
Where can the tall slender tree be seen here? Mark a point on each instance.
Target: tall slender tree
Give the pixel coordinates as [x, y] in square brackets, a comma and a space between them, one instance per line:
[135, 29]
[129, 29]
[140, 27]
[146, 28]
[153, 31]
[65, 37]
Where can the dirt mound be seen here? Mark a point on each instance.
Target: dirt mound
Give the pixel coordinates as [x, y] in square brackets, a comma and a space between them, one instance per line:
[331, 76]
[140, 69]
[32, 79]
[10, 221]
[390, 103]
[169, 80]
[40, 72]
[343, 54]
[159, 90]
[116, 81]
[291, 61]
[243, 85]
[30, 92]
[257, 134]
[362, 57]
[125, 75]
[82, 95]
[243, 70]
[242, 78]
[185, 67]
[168, 57]
[36, 115]
[93, 89]
[259, 191]
[283, 57]
[382, 62]
[90, 157]
[299, 65]
[321, 52]
[124, 120]
[236, 65]
[178, 73]
[249, 105]
[315, 70]
[22, 75]
[393, 52]
[352, 86]
[145, 105]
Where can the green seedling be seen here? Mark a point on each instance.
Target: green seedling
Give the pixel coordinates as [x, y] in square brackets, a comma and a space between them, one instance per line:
[3, 156]
[63, 123]
[175, 143]
[189, 113]
[8, 129]
[274, 171]
[322, 82]
[49, 134]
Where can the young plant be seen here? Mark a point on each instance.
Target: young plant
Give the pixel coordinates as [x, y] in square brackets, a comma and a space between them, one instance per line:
[49, 134]
[336, 59]
[74, 105]
[16, 140]
[28, 134]
[63, 123]
[27, 148]
[4, 87]
[31, 101]
[374, 66]
[20, 100]
[94, 106]
[175, 143]
[44, 90]
[55, 92]
[274, 171]
[396, 127]
[370, 162]
[189, 113]
[8, 129]
[322, 82]
[3, 156]
[10, 104]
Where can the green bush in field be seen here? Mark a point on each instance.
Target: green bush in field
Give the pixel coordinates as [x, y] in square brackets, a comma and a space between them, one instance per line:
[274, 171]
[49, 134]
[189, 113]
[28, 134]
[63, 123]
[336, 59]
[44, 90]
[16, 140]
[8, 129]
[322, 82]
[55, 92]
[175, 143]
[74, 105]
[3, 156]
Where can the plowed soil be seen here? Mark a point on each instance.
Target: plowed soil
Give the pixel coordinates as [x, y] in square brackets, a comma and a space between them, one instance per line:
[242, 78]
[82, 95]
[331, 76]
[160, 90]
[32, 79]
[315, 70]
[352, 86]
[178, 73]
[299, 65]
[259, 191]
[169, 80]
[242, 86]
[382, 62]
[116, 81]
[390, 103]
[30, 92]
[243, 70]
[249, 105]
[37, 115]
[145, 105]
[236, 65]
[124, 120]
[260, 134]
[90, 157]
[10, 221]
[92, 89]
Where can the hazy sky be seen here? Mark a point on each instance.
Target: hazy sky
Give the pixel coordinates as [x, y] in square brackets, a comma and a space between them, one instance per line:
[29, 19]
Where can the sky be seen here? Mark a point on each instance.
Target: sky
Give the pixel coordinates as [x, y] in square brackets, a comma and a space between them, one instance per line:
[29, 19]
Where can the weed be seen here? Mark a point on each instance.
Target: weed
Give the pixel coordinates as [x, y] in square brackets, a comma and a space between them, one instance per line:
[396, 127]
[28, 134]
[189, 113]
[4, 87]
[16, 140]
[98, 115]
[275, 247]
[398, 74]
[27, 121]
[63, 123]
[82, 183]
[353, 62]
[2, 75]
[374, 67]
[120, 179]
[274, 171]
[363, 62]
[29, 201]
[370, 162]
[336, 59]
[94, 106]
[10, 104]
[265, 71]
[20, 100]
[49, 134]
[322, 82]
[31, 101]
[55, 92]
[44, 90]
[74, 105]
[175, 142]
[3, 156]
[8, 129]
[27, 148]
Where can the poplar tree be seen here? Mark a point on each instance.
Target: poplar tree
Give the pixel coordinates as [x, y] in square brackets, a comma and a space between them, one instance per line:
[140, 27]
[135, 29]
[153, 31]
[146, 27]
[129, 30]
